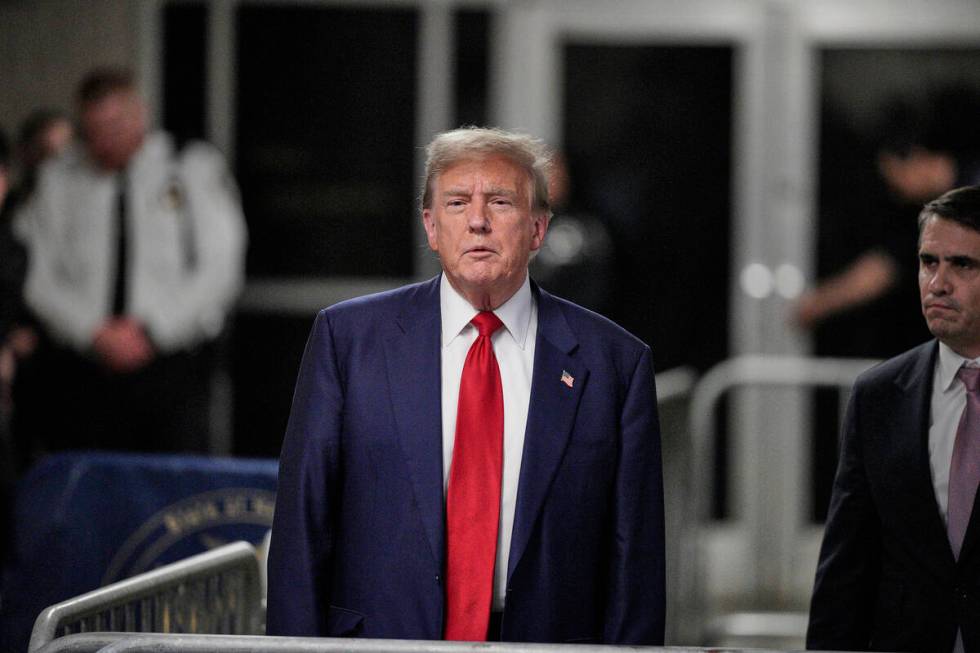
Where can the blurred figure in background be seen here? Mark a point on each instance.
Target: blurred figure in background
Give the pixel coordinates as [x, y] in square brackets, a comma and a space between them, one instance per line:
[920, 154]
[4, 168]
[576, 260]
[913, 168]
[44, 135]
[136, 255]
[6, 362]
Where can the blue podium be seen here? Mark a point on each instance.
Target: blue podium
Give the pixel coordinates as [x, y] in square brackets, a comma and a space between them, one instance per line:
[82, 520]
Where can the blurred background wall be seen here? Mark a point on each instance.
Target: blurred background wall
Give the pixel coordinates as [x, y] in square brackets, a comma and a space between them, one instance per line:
[45, 48]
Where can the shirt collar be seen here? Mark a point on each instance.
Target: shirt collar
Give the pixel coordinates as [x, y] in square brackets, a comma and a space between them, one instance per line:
[515, 313]
[949, 364]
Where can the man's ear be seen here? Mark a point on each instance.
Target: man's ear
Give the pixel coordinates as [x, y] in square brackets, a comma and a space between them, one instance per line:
[428, 221]
[539, 224]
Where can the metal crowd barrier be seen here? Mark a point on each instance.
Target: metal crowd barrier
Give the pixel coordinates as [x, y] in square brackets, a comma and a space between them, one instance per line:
[131, 643]
[772, 526]
[674, 388]
[215, 592]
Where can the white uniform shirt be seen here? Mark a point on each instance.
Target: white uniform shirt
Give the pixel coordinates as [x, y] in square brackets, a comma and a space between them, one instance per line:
[513, 345]
[69, 227]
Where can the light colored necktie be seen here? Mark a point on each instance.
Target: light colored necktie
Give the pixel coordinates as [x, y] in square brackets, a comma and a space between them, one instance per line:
[473, 496]
[964, 469]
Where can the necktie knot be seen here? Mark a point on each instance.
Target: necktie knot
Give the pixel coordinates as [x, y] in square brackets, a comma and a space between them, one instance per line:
[970, 376]
[486, 323]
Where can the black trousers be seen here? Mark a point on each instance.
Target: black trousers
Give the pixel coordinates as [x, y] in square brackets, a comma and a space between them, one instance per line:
[64, 400]
[493, 629]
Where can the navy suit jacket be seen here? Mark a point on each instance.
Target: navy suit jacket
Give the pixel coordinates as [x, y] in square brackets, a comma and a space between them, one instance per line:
[887, 579]
[358, 541]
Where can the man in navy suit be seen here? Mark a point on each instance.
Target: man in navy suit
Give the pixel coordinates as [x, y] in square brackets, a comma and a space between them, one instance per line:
[900, 563]
[367, 539]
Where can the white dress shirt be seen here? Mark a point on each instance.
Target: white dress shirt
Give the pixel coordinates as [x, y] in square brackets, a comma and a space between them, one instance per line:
[948, 402]
[513, 345]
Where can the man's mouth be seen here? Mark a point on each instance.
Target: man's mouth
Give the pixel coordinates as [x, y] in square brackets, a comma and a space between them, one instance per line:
[939, 306]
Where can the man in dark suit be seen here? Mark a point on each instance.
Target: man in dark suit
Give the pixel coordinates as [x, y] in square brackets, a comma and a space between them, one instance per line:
[470, 457]
[900, 563]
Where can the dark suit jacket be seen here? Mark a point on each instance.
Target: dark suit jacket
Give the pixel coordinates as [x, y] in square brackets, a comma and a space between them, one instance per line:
[358, 542]
[887, 579]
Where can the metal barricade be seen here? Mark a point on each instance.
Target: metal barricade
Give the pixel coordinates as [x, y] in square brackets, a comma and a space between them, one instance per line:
[674, 388]
[214, 592]
[769, 537]
[131, 643]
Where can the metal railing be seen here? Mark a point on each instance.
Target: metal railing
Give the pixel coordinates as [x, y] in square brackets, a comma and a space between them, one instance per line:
[214, 592]
[773, 524]
[674, 389]
[131, 643]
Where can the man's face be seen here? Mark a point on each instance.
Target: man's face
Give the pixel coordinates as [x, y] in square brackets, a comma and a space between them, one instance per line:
[113, 129]
[482, 226]
[949, 284]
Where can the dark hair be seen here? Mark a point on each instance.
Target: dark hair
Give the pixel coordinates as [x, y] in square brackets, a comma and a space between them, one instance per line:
[960, 205]
[101, 82]
[905, 126]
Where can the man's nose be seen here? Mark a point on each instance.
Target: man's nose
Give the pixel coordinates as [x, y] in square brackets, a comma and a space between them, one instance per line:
[939, 284]
[478, 218]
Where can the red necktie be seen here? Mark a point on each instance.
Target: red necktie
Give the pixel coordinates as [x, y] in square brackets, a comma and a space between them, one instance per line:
[964, 469]
[473, 497]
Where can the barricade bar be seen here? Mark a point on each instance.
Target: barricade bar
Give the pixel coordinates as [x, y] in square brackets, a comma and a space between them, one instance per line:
[754, 372]
[158, 643]
[217, 591]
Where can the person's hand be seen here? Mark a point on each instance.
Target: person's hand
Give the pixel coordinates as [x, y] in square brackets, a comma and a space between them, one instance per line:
[19, 345]
[807, 311]
[122, 345]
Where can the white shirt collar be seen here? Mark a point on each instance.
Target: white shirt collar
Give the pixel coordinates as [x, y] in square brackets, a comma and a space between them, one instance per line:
[949, 364]
[515, 313]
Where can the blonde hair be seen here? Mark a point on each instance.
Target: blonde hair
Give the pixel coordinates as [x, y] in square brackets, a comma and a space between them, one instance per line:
[468, 143]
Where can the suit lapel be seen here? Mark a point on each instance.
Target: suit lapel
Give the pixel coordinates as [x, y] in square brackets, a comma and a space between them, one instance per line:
[910, 426]
[414, 385]
[550, 418]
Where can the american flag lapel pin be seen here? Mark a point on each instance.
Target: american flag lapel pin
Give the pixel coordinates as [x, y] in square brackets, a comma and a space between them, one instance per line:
[567, 378]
